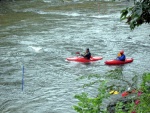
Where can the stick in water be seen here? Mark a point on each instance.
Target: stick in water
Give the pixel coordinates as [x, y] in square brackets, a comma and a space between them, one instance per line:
[22, 77]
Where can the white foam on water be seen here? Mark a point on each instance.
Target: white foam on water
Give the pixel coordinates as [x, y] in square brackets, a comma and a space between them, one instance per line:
[27, 42]
[74, 14]
[36, 49]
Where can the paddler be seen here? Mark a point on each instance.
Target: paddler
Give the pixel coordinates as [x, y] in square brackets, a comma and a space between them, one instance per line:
[87, 54]
[121, 56]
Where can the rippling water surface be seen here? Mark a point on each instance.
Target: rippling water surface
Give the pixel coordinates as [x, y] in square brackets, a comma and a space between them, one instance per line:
[41, 35]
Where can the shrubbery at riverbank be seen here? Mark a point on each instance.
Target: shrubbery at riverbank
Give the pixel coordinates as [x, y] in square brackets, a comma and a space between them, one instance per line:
[137, 102]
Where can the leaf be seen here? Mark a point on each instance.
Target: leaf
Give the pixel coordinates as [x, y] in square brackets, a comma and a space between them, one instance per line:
[78, 109]
[124, 14]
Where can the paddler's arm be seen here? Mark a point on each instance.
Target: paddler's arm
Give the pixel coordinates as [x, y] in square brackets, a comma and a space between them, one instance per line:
[121, 58]
[84, 55]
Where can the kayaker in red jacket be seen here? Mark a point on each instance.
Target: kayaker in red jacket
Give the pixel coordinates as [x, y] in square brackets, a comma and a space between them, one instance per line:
[87, 54]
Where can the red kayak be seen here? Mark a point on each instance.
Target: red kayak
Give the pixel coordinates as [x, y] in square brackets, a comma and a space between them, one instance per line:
[118, 62]
[84, 60]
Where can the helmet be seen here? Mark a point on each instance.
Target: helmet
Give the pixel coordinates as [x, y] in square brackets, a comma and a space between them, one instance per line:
[87, 49]
[121, 52]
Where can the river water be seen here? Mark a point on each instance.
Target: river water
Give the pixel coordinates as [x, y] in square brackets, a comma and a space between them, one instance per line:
[40, 35]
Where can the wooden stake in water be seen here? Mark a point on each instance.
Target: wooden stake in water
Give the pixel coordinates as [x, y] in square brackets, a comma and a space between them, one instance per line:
[22, 77]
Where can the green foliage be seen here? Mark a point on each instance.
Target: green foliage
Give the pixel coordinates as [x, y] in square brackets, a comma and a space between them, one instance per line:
[137, 14]
[124, 107]
[91, 105]
[86, 105]
[144, 105]
[139, 104]
[146, 82]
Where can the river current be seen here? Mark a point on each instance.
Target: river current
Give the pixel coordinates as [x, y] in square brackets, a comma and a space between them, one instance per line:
[40, 35]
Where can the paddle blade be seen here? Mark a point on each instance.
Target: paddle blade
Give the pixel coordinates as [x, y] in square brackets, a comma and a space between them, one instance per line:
[77, 52]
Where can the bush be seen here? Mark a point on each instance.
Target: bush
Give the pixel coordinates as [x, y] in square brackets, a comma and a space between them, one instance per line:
[139, 104]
